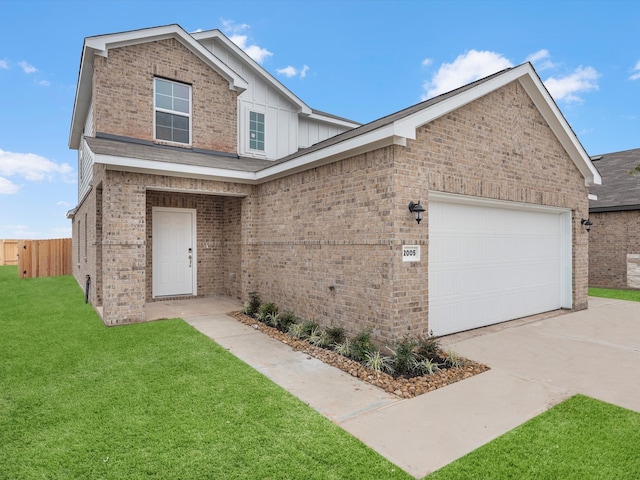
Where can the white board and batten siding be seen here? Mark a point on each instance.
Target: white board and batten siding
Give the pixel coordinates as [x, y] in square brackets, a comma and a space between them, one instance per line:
[85, 157]
[286, 130]
[492, 261]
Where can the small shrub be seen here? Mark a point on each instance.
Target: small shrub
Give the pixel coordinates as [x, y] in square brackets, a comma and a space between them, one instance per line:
[309, 326]
[297, 330]
[265, 310]
[251, 307]
[378, 362]
[405, 359]
[273, 319]
[315, 336]
[454, 360]
[426, 366]
[361, 345]
[335, 334]
[428, 346]
[344, 348]
[286, 319]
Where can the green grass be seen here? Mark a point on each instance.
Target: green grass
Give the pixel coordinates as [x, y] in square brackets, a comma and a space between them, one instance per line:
[579, 439]
[633, 295]
[153, 400]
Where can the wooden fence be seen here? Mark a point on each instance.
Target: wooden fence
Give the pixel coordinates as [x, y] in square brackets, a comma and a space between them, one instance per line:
[8, 252]
[44, 258]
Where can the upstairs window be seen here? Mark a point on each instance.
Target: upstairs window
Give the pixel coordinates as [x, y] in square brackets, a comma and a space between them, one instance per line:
[173, 111]
[256, 131]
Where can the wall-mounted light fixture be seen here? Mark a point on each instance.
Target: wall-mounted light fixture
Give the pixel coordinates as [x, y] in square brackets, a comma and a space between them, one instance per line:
[417, 209]
[587, 224]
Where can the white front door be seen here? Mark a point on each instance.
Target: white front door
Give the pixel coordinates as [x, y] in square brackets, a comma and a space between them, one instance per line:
[174, 257]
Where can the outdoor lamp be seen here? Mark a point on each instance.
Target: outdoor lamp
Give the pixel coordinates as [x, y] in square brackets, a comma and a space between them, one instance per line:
[587, 224]
[417, 209]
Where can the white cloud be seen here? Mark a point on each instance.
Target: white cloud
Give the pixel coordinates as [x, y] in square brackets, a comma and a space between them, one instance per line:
[33, 167]
[467, 68]
[566, 88]
[293, 71]
[63, 203]
[4, 64]
[27, 67]
[7, 187]
[234, 31]
[44, 83]
[426, 62]
[636, 72]
[541, 60]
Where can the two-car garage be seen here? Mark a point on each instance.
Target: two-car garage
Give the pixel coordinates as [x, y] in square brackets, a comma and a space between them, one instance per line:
[491, 261]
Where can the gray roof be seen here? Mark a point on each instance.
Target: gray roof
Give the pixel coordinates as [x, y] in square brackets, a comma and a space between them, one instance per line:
[620, 189]
[113, 145]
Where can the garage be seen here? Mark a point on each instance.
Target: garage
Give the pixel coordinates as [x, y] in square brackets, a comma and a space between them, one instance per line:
[491, 261]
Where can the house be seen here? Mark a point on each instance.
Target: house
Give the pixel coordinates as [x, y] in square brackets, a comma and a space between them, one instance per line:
[614, 210]
[202, 175]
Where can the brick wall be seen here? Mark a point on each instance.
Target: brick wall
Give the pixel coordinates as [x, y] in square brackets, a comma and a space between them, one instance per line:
[613, 236]
[327, 241]
[123, 94]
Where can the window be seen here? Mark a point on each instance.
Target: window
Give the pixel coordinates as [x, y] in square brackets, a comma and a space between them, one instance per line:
[256, 131]
[173, 111]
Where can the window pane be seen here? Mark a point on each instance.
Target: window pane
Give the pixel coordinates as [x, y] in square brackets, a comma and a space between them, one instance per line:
[163, 133]
[163, 87]
[181, 136]
[181, 105]
[180, 122]
[162, 101]
[181, 91]
[163, 119]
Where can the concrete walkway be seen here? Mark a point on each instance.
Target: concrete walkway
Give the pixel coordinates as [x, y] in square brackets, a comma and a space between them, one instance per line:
[535, 363]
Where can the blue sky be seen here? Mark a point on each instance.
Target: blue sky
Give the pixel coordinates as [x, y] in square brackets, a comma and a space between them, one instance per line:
[357, 59]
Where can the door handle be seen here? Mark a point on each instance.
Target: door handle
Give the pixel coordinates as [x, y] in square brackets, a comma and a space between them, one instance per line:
[190, 256]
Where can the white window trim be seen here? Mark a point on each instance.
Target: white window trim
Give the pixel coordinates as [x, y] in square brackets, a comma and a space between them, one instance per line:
[172, 112]
[264, 124]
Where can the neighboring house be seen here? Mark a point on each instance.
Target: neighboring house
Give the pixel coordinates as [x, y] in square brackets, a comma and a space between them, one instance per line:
[201, 175]
[614, 240]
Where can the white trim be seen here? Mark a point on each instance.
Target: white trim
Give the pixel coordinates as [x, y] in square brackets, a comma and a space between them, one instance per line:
[194, 241]
[592, 196]
[437, 196]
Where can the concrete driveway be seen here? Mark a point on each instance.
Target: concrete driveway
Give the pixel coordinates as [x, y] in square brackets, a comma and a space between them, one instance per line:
[535, 363]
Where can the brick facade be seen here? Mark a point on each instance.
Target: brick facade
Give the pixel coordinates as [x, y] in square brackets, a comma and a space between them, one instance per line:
[123, 94]
[324, 242]
[328, 241]
[613, 237]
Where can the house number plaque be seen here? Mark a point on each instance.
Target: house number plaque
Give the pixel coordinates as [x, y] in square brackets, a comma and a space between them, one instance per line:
[411, 253]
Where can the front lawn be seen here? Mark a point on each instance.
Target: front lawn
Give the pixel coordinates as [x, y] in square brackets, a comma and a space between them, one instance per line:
[153, 400]
[579, 439]
[633, 295]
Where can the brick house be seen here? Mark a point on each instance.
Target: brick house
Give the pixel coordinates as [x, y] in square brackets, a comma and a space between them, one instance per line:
[614, 210]
[202, 175]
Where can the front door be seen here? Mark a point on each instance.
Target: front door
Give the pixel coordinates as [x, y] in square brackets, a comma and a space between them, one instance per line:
[173, 251]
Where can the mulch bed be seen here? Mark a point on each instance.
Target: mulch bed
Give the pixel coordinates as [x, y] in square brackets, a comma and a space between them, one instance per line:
[400, 386]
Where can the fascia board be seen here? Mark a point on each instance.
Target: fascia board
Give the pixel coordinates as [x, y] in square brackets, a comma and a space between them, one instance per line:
[332, 120]
[137, 165]
[551, 113]
[367, 142]
[255, 66]
[82, 99]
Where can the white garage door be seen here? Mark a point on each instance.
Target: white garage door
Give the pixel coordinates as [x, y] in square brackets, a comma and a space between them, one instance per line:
[492, 261]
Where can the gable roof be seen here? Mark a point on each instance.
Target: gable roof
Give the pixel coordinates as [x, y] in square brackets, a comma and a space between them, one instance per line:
[400, 126]
[100, 45]
[620, 189]
[393, 129]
